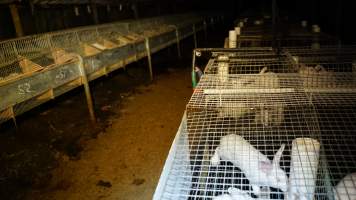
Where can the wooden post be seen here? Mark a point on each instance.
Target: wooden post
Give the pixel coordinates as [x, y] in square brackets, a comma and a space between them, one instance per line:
[16, 20]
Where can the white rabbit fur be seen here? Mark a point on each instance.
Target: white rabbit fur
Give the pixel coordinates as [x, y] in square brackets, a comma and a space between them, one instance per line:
[258, 169]
[265, 115]
[346, 188]
[317, 76]
[234, 194]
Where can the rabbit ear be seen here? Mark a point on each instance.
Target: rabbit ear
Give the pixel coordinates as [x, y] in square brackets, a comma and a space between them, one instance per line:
[263, 70]
[277, 156]
[215, 159]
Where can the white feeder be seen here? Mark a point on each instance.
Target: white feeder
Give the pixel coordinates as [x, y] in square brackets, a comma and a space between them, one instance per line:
[88, 9]
[238, 30]
[315, 45]
[316, 28]
[241, 24]
[296, 59]
[76, 11]
[245, 20]
[232, 39]
[304, 23]
[257, 22]
[304, 167]
[223, 68]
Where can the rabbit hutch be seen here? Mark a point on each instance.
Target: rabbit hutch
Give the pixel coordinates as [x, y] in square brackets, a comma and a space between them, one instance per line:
[267, 124]
[37, 68]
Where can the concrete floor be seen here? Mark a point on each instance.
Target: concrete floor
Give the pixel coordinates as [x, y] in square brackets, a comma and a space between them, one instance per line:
[126, 160]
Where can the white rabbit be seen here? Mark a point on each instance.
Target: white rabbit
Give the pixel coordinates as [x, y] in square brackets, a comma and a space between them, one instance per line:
[317, 76]
[234, 194]
[272, 115]
[258, 169]
[346, 188]
[265, 115]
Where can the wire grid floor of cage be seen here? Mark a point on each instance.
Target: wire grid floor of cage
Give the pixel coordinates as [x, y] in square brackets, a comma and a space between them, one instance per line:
[317, 129]
[250, 64]
[331, 55]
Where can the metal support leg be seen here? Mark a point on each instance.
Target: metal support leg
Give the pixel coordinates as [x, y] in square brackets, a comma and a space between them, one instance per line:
[86, 89]
[195, 37]
[205, 31]
[194, 80]
[148, 50]
[13, 117]
[178, 43]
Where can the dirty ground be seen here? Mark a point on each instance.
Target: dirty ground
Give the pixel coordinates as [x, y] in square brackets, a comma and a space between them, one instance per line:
[125, 161]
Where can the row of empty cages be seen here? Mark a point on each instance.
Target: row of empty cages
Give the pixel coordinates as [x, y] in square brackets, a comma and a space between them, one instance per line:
[314, 41]
[273, 135]
[35, 69]
[302, 60]
[287, 35]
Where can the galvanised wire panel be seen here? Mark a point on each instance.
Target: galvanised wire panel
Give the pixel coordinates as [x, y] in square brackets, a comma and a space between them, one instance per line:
[266, 136]
[250, 62]
[35, 69]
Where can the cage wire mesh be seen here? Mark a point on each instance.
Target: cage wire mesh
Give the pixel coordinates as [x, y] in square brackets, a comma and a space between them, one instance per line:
[325, 54]
[24, 58]
[315, 41]
[262, 36]
[267, 136]
[249, 63]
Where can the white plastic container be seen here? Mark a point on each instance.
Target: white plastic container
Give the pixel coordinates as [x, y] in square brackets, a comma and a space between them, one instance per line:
[296, 59]
[304, 167]
[238, 30]
[223, 68]
[316, 28]
[232, 39]
[304, 24]
[257, 22]
[315, 45]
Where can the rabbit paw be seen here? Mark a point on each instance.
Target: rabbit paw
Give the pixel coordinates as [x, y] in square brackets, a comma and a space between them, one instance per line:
[215, 159]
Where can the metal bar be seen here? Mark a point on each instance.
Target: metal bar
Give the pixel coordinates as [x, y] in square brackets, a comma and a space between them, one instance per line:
[148, 50]
[205, 31]
[194, 80]
[86, 89]
[178, 42]
[247, 91]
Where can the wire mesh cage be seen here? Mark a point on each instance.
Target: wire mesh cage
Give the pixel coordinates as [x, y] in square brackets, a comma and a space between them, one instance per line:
[35, 69]
[314, 41]
[326, 54]
[249, 63]
[260, 142]
[267, 135]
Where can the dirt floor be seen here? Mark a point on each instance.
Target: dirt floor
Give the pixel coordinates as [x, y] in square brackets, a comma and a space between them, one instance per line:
[55, 153]
[126, 160]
